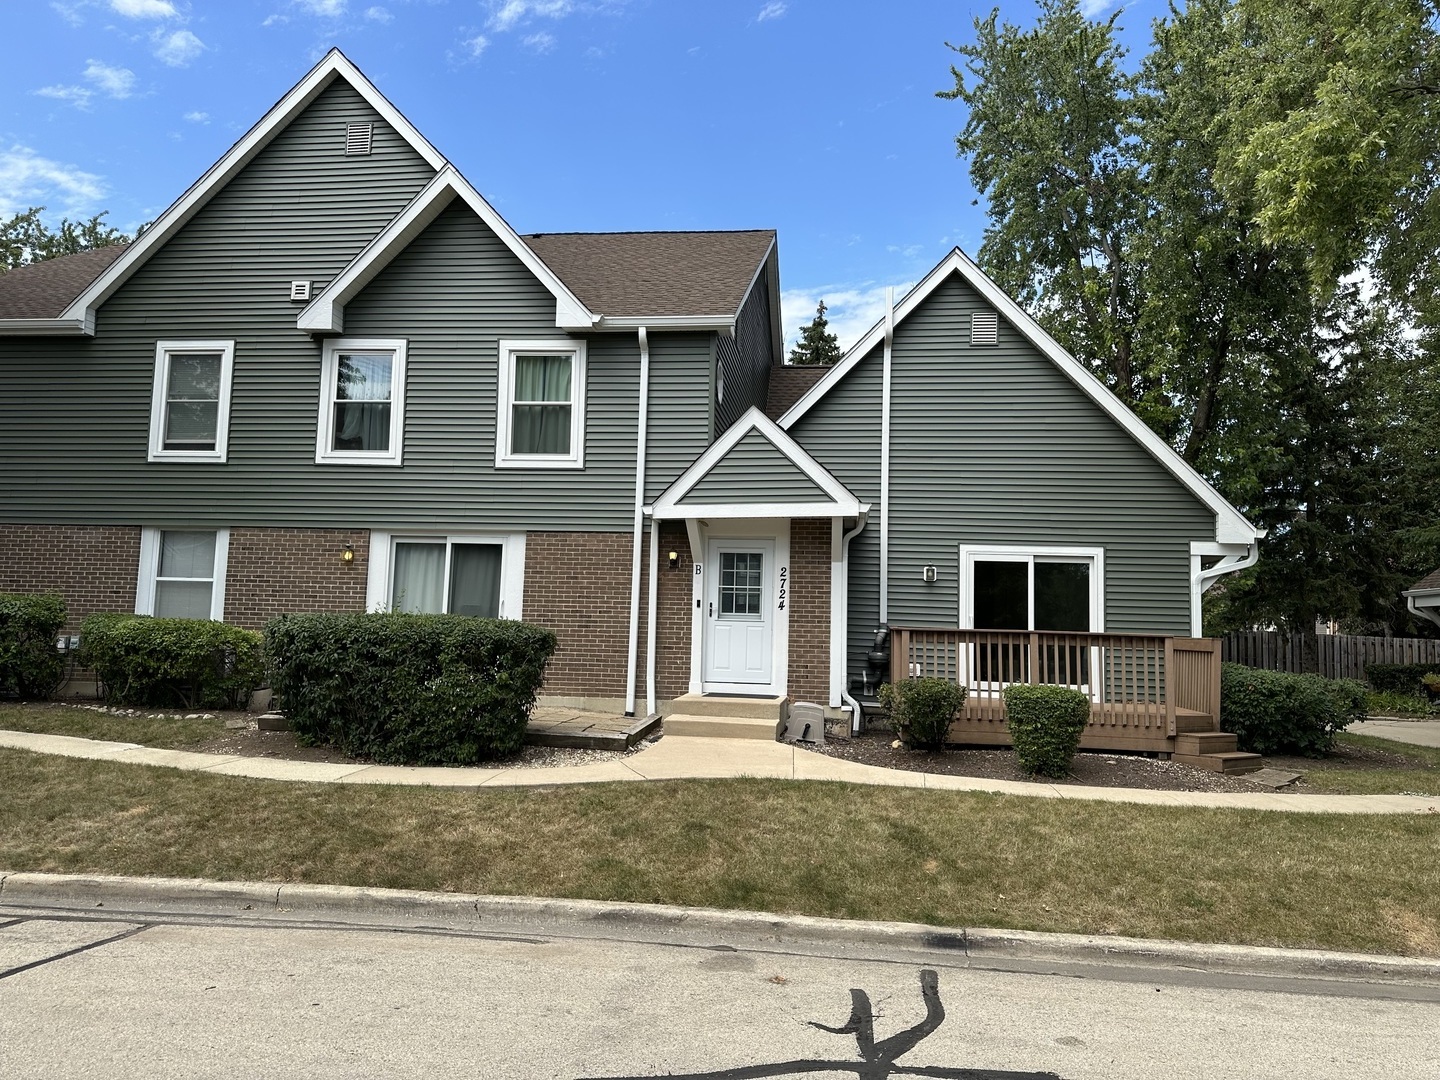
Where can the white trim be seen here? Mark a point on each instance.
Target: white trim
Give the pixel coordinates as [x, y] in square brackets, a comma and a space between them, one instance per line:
[778, 532]
[652, 612]
[326, 313]
[329, 374]
[695, 534]
[837, 614]
[1028, 553]
[1233, 557]
[379, 576]
[841, 502]
[1431, 611]
[334, 65]
[723, 324]
[149, 568]
[505, 400]
[59, 327]
[632, 659]
[888, 356]
[856, 713]
[1231, 527]
[159, 399]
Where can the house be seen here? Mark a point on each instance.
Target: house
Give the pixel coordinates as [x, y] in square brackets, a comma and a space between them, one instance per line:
[1423, 598]
[332, 377]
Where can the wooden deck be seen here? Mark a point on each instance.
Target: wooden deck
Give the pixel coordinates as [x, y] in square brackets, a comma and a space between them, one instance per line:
[1144, 689]
[578, 729]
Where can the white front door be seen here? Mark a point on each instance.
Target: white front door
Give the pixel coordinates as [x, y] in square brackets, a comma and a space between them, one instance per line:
[739, 613]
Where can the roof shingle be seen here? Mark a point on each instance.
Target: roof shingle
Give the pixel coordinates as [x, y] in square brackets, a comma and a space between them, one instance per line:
[1429, 581]
[43, 290]
[789, 383]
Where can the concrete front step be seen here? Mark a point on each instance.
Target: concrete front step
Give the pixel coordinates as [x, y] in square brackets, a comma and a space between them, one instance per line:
[722, 727]
[1232, 763]
[1206, 742]
[727, 705]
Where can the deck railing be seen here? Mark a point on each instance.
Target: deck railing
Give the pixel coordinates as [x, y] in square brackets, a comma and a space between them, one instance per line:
[1138, 684]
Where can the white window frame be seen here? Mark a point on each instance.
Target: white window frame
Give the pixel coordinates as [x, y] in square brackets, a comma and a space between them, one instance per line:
[971, 553]
[505, 401]
[329, 378]
[150, 568]
[379, 580]
[161, 390]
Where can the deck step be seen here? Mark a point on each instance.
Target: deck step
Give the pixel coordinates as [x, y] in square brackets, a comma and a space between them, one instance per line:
[1232, 763]
[722, 727]
[771, 708]
[1206, 742]
[1193, 721]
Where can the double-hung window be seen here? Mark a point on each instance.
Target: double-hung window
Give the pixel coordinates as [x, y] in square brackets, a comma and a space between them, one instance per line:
[182, 573]
[190, 405]
[540, 422]
[362, 402]
[456, 575]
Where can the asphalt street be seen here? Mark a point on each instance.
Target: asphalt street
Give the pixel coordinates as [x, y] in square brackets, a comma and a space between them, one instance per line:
[119, 994]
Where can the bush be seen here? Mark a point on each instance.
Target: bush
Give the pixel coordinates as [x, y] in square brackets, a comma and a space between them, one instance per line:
[1275, 712]
[30, 665]
[1399, 678]
[1045, 724]
[923, 709]
[408, 689]
[172, 663]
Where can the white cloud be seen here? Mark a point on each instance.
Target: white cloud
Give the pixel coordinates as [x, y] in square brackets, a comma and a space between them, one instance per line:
[505, 14]
[772, 10]
[198, 117]
[477, 44]
[117, 82]
[1091, 8]
[27, 179]
[275, 20]
[850, 309]
[326, 8]
[378, 14]
[177, 49]
[69, 12]
[71, 95]
[144, 9]
[541, 42]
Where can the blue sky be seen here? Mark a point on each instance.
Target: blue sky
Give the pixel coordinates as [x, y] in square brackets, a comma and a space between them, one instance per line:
[814, 117]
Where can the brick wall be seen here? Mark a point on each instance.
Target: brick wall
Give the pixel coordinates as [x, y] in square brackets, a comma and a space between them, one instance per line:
[94, 568]
[578, 585]
[810, 610]
[672, 644]
[288, 571]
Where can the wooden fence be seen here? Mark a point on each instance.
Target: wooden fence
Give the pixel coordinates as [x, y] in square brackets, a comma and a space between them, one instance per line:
[1335, 656]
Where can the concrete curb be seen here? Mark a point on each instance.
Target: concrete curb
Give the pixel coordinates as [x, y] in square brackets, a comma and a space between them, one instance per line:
[199, 896]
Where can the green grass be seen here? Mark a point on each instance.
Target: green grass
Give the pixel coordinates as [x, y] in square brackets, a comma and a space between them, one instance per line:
[1390, 703]
[85, 724]
[1421, 778]
[827, 849]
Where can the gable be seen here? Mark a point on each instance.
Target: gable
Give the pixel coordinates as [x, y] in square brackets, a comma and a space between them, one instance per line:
[754, 471]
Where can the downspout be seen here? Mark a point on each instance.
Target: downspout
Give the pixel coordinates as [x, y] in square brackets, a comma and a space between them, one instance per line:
[1206, 578]
[845, 695]
[885, 460]
[639, 523]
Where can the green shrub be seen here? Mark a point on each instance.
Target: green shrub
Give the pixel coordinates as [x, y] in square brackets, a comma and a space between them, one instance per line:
[1045, 724]
[1389, 703]
[923, 709]
[30, 665]
[1399, 678]
[408, 689]
[172, 663]
[1276, 712]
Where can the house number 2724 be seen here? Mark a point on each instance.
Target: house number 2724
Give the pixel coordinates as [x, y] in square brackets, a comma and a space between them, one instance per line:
[784, 585]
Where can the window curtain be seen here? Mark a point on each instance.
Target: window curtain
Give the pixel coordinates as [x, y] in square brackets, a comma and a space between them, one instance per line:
[541, 428]
[185, 555]
[362, 401]
[192, 405]
[419, 578]
[475, 580]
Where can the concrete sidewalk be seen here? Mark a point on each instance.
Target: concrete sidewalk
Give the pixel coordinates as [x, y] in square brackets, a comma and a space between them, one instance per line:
[1414, 732]
[693, 758]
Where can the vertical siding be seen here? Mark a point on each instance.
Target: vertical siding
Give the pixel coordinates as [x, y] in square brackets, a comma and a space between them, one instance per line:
[745, 359]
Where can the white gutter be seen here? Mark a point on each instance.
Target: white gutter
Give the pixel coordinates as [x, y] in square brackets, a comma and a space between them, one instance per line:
[885, 459]
[652, 610]
[1203, 579]
[47, 327]
[1424, 613]
[845, 695]
[639, 524]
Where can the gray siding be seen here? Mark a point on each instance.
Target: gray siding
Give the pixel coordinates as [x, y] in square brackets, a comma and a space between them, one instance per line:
[746, 358]
[754, 471]
[995, 446]
[679, 427]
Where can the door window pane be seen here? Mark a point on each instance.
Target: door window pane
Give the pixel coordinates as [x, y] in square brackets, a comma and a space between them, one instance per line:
[192, 401]
[742, 576]
[1062, 596]
[363, 383]
[1002, 595]
[419, 578]
[475, 580]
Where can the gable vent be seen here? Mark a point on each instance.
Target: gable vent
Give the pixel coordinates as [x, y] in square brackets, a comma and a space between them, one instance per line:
[299, 290]
[984, 328]
[358, 138]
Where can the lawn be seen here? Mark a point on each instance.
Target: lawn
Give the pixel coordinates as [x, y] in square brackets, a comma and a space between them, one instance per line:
[88, 724]
[1420, 775]
[828, 849]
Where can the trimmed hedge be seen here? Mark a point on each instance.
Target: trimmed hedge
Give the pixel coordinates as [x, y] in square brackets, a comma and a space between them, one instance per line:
[172, 663]
[30, 665]
[1045, 724]
[1399, 678]
[1276, 712]
[923, 709]
[408, 689]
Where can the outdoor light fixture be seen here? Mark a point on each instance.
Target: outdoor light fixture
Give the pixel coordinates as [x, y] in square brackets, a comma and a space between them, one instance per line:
[674, 560]
[929, 573]
[348, 555]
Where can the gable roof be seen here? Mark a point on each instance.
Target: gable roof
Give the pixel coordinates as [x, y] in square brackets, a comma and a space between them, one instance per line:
[79, 315]
[692, 275]
[799, 486]
[326, 312]
[42, 290]
[1231, 526]
[788, 384]
[1428, 584]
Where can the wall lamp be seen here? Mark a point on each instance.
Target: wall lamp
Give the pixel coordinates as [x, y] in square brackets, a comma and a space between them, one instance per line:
[674, 558]
[348, 555]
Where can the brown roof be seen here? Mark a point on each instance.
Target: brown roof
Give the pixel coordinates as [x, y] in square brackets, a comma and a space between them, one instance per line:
[656, 273]
[788, 384]
[43, 290]
[1429, 581]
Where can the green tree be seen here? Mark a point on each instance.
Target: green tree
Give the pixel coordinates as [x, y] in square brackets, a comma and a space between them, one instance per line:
[817, 345]
[25, 238]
